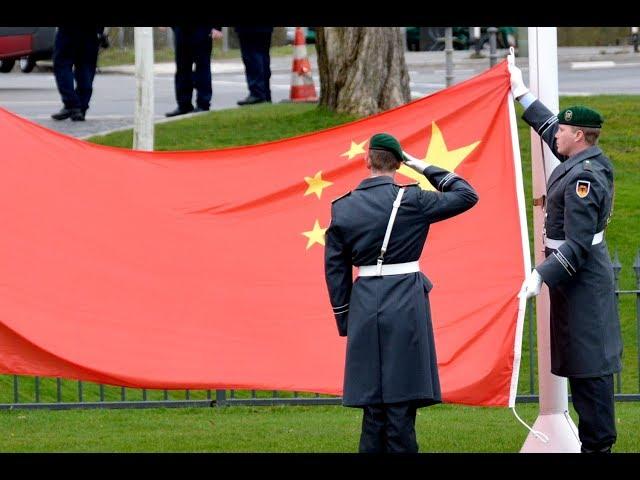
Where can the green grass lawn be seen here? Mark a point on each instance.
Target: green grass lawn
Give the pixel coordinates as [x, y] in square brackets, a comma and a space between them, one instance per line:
[443, 428]
[311, 429]
[234, 127]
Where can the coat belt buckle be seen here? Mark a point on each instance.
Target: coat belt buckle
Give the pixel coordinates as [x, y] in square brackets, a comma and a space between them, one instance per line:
[379, 267]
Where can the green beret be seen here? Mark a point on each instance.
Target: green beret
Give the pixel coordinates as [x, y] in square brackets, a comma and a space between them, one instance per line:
[580, 116]
[384, 141]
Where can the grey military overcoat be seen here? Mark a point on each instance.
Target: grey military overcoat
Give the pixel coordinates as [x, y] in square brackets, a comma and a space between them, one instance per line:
[585, 328]
[390, 355]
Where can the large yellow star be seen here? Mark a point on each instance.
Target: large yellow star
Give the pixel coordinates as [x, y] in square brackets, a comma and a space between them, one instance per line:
[316, 184]
[316, 235]
[438, 155]
[356, 149]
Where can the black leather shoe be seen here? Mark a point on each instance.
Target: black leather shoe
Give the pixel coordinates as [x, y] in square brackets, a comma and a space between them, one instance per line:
[77, 115]
[201, 109]
[63, 114]
[251, 100]
[178, 111]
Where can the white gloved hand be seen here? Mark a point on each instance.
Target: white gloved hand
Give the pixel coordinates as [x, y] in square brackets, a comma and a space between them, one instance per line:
[518, 88]
[531, 285]
[413, 162]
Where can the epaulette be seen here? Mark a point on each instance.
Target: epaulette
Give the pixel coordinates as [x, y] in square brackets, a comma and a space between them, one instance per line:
[586, 165]
[341, 196]
[414, 184]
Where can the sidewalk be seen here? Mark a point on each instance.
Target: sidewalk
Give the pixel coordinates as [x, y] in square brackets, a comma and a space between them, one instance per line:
[413, 59]
[565, 55]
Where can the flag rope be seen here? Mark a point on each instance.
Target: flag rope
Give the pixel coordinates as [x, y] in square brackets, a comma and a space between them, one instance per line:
[539, 435]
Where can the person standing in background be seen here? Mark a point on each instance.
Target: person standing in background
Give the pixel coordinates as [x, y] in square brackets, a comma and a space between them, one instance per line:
[75, 55]
[193, 45]
[255, 43]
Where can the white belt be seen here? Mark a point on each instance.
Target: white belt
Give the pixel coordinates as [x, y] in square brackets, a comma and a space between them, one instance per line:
[389, 269]
[555, 244]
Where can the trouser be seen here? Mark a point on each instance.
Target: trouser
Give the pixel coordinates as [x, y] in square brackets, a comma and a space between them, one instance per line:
[75, 55]
[193, 45]
[594, 402]
[257, 62]
[389, 428]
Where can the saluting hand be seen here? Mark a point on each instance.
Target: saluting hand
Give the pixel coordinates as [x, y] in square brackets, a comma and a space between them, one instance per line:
[414, 163]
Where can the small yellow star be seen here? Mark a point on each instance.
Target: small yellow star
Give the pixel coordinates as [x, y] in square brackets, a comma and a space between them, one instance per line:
[316, 184]
[439, 155]
[316, 235]
[355, 149]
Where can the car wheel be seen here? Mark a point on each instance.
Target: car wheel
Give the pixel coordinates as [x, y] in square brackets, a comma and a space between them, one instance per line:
[27, 64]
[7, 65]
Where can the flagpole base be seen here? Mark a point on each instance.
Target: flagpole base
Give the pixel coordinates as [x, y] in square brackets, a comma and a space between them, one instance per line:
[562, 433]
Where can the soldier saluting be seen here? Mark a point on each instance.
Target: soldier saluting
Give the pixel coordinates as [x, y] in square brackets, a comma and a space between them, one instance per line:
[381, 227]
[586, 345]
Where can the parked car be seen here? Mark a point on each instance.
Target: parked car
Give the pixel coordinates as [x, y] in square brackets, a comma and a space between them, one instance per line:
[462, 40]
[25, 44]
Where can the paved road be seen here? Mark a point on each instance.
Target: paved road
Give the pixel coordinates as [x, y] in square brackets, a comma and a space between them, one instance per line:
[579, 78]
[34, 96]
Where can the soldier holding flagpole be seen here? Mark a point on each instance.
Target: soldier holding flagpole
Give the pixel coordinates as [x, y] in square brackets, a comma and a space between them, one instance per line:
[586, 345]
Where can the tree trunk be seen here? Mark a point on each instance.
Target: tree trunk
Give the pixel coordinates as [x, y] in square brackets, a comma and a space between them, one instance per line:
[362, 69]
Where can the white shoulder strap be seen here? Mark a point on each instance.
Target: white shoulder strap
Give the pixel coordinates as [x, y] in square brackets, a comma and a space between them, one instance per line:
[387, 234]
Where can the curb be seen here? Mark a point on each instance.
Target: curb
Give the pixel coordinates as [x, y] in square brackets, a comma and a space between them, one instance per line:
[118, 70]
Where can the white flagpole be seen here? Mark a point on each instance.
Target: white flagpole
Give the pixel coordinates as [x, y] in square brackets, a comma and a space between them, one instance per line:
[143, 116]
[522, 306]
[553, 419]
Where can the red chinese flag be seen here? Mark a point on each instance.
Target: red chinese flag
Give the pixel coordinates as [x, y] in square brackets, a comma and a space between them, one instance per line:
[204, 270]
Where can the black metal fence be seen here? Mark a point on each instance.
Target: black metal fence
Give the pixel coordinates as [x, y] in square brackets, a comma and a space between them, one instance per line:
[20, 392]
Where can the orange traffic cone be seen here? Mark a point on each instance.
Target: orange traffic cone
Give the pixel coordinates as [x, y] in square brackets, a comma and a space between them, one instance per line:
[302, 87]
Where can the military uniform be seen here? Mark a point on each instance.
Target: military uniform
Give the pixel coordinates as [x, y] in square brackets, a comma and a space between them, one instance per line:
[585, 328]
[391, 356]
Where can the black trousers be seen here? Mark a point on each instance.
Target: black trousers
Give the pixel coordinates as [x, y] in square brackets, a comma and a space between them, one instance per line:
[594, 402]
[254, 47]
[389, 428]
[75, 54]
[193, 45]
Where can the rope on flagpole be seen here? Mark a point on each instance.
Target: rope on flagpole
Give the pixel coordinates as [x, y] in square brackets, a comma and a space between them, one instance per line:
[539, 435]
[527, 264]
[572, 427]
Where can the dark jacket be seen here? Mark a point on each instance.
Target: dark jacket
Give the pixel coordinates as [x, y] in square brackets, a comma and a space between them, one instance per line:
[391, 355]
[585, 328]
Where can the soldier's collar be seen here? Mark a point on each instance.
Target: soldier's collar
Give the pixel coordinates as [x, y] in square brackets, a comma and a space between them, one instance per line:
[592, 151]
[374, 182]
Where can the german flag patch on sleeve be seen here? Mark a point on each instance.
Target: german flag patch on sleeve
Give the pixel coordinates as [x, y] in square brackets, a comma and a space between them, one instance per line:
[582, 188]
